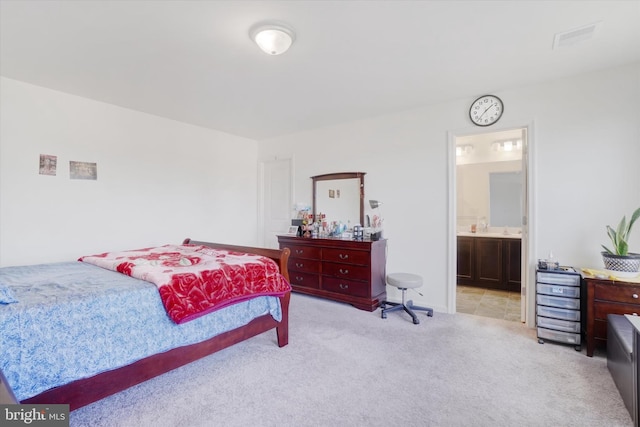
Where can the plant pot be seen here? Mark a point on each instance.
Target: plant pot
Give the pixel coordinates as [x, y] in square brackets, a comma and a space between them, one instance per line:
[625, 265]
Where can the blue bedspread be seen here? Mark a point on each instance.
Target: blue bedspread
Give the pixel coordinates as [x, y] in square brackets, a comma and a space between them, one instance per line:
[73, 320]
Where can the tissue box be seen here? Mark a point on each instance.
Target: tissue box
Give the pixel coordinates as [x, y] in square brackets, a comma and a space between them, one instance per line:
[544, 264]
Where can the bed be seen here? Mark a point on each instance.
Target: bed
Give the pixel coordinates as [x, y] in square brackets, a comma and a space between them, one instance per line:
[125, 347]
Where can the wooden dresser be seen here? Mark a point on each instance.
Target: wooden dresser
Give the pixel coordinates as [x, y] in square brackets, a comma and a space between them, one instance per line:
[603, 297]
[341, 270]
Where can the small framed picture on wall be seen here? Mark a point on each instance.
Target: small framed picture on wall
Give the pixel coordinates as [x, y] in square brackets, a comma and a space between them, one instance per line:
[83, 170]
[48, 164]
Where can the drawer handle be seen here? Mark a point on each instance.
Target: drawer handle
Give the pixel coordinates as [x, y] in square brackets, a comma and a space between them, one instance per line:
[299, 279]
[299, 251]
[344, 271]
[635, 296]
[299, 264]
[343, 256]
[344, 287]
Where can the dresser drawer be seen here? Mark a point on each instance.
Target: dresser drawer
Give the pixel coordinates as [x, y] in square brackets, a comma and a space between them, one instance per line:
[559, 279]
[304, 265]
[558, 290]
[348, 287]
[345, 271]
[628, 294]
[601, 309]
[304, 279]
[346, 256]
[306, 252]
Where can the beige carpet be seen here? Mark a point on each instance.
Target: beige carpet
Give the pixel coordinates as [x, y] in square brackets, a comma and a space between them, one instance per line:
[347, 367]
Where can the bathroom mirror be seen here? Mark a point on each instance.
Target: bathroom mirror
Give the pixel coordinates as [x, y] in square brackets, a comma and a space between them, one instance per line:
[339, 196]
[505, 199]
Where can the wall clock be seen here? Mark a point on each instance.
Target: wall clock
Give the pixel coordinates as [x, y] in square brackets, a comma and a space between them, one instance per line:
[486, 110]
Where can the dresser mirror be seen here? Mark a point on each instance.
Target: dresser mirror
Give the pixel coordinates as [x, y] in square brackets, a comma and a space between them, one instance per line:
[340, 197]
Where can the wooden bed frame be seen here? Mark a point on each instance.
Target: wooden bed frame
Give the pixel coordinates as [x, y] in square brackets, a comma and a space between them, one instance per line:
[88, 390]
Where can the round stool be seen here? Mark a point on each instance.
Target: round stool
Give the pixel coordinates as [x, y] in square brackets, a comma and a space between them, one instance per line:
[404, 281]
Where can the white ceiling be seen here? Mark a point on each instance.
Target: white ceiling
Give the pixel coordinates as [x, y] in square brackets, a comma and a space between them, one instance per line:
[193, 61]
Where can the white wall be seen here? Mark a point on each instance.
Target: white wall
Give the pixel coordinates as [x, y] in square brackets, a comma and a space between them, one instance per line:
[159, 180]
[585, 147]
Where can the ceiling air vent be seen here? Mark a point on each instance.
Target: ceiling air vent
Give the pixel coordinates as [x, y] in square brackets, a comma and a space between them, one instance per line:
[577, 35]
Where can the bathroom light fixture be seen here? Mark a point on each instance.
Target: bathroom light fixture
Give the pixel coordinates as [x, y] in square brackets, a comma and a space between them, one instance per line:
[463, 150]
[508, 145]
[273, 39]
[374, 204]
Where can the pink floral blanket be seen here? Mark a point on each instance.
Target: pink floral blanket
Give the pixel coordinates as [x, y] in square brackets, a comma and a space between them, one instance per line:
[195, 280]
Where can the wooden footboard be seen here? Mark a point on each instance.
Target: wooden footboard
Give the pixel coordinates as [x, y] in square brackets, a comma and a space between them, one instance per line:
[88, 390]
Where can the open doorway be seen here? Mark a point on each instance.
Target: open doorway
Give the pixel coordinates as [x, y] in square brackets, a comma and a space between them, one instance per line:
[491, 200]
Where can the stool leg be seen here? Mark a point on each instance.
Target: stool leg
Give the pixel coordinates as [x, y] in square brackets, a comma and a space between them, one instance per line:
[415, 307]
[412, 314]
[394, 307]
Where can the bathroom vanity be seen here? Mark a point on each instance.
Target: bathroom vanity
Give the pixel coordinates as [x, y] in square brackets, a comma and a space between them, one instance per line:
[489, 260]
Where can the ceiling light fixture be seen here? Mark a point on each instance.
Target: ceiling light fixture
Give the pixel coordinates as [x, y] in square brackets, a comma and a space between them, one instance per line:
[273, 39]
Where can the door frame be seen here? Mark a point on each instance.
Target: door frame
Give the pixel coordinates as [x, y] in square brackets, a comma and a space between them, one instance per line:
[529, 230]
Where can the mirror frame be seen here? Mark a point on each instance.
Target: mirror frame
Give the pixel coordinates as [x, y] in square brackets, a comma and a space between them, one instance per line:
[341, 175]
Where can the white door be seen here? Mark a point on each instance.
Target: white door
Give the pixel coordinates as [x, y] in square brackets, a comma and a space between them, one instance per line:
[276, 201]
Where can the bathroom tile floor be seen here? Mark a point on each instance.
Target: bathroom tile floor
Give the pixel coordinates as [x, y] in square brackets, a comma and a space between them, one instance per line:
[488, 302]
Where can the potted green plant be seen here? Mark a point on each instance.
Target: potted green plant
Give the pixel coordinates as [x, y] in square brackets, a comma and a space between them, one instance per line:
[619, 259]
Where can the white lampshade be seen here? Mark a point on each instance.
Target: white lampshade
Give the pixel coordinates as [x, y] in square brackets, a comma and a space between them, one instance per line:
[273, 39]
[374, 204]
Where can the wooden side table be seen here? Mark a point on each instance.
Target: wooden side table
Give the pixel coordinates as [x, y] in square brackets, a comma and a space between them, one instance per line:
[605, 296]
